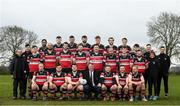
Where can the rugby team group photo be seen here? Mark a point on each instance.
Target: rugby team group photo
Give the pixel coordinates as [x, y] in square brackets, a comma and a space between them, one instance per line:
[89, 70]
[89, 52]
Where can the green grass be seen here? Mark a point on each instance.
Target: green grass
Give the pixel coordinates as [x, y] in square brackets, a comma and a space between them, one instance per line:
[6, 96]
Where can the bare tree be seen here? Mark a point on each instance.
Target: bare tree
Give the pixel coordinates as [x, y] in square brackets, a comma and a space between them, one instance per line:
[165, 30]
[31, 38]
[13, 38]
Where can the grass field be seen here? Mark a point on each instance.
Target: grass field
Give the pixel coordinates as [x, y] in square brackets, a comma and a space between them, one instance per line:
[6, 96]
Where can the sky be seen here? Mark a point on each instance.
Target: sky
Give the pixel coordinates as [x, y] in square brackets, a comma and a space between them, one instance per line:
[116, 18]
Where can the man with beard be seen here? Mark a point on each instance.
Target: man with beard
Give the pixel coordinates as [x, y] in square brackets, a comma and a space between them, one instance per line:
[65, 59]
[125, 60]
[111, 59]
[96, 58]
[50, 59]
[136, 83]
[111, 45]
[43, 48]
[81, 60]
[86, 46]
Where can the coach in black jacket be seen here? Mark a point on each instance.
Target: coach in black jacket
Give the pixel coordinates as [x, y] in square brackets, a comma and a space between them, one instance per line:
[92, 83]
[19, 70]
[164, 72]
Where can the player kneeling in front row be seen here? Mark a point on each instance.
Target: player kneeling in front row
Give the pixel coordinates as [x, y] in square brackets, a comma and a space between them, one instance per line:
[136, 84]
[122, 82]
[108, 84]
[74, 84]
[58, 83]
[40, 82]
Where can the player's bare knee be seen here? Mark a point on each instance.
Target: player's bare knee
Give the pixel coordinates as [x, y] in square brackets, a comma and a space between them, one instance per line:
[64, 86]
[34, 87]
[45, 87]
[80, 88]
[103, 87]
[69, 87]
[51, 86]
[114, 87]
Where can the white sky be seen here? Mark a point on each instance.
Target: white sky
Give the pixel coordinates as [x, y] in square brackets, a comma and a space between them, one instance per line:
[117, 18]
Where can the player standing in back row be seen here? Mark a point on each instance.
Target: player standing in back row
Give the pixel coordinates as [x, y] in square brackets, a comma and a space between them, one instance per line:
[72, 45]
[86, 46]
[98, 42]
